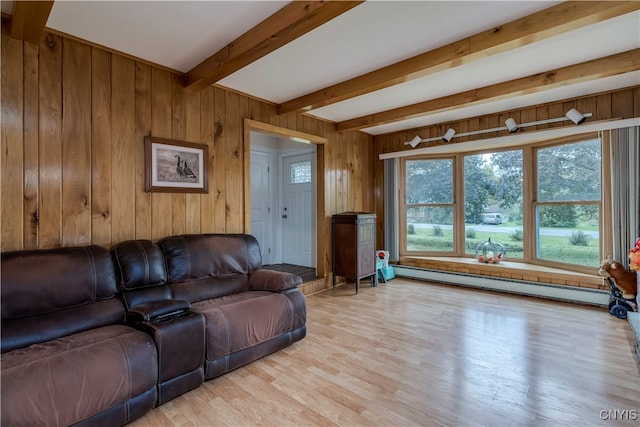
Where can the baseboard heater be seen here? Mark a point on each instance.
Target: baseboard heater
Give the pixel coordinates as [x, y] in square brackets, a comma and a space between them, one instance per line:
[545, 290]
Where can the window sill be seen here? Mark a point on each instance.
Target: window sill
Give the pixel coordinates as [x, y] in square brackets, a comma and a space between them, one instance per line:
[506, 269]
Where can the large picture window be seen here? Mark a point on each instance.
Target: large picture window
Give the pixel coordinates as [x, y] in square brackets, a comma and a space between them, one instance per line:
[541, 201]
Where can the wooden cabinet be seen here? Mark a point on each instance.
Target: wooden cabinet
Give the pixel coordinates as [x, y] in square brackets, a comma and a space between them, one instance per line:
[353, 237]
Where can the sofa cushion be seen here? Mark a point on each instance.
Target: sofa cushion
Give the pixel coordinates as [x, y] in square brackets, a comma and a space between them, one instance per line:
[274, 281]
[66, 380]
[141, 272]
[25, 331]
[210, 255]
[210, 287]
[47, 294]
[61, 278]
[139, 264]
[239, 321]
[206, 266]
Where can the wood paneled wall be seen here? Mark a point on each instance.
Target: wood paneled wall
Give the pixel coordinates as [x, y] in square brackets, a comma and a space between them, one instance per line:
[74, 117]
[620, 104]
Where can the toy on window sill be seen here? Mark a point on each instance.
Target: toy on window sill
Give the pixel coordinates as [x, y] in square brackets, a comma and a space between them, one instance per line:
[490, 252]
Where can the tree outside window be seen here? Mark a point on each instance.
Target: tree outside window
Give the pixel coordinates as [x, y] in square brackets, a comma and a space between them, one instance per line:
[429, 205]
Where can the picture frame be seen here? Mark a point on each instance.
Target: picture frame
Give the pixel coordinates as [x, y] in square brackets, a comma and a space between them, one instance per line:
[175, 166]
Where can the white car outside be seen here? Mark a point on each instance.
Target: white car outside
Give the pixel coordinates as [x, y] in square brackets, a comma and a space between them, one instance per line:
[492, 218]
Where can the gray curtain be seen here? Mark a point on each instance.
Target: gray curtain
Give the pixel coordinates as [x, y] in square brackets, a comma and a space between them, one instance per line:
[391, 209]
[625, 190]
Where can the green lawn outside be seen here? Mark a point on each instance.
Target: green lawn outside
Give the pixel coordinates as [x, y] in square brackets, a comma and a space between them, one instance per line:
[554, 248]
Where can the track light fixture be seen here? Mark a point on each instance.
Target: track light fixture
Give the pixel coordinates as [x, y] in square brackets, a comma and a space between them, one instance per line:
[448, 135]
[511, 125]
[576, 116]
[415, 141]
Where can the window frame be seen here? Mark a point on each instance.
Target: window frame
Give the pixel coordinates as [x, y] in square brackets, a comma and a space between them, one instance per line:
[534, 203]
[529, 201]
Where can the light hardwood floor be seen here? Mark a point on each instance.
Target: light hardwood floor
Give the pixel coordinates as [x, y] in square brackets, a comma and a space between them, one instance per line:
[412, 353]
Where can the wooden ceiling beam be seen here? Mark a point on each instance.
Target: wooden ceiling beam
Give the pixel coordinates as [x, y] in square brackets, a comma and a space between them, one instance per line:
[292, 21]
[598, 68]
[29, 19]
[549, 22]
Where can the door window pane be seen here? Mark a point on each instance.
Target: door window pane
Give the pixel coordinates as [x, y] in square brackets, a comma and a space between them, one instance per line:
[300, 173]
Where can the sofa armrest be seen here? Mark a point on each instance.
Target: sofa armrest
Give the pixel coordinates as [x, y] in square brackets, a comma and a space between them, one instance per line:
[158, 309]
[274, 281]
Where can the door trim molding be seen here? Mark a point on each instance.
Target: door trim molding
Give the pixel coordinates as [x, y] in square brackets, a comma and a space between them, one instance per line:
[293, 135]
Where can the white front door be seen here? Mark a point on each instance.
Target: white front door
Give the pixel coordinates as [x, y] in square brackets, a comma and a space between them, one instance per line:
[261, 215]
[298, 210]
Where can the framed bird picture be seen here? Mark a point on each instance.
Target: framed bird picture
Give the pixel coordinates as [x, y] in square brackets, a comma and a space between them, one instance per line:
[175, 166]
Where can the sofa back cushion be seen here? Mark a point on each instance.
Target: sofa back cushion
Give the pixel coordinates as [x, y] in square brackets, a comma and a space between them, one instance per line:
[139, 264]
[141, 272]
[51, 293]
[23, 332]
[213, 264]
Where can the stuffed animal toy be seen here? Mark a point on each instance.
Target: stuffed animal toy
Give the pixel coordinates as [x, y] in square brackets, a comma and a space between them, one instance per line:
[624, 280]
[383, 256]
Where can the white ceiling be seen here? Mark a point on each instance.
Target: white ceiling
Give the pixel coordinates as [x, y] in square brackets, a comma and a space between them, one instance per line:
[181, 34]
[368, 37]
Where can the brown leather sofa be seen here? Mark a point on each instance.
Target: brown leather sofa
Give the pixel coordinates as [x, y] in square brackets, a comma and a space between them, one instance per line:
[248, 311]
[91, 337]
[67, 356]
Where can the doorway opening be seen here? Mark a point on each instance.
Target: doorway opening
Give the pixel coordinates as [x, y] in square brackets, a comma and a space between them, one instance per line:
[284, 198]
[283, 214]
